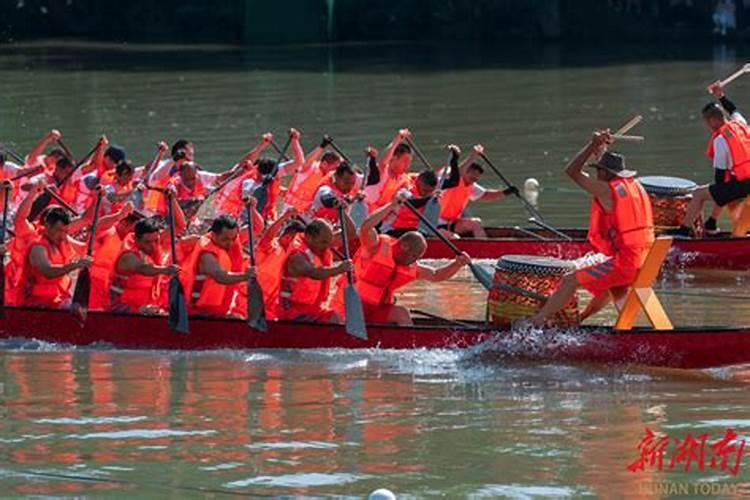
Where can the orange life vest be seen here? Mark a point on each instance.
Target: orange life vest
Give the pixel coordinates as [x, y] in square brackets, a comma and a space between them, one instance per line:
[106, 251]
[405, 218]
[229, 199]
[206, 295]
[378, 275]
[153, 201]
[737, 135]
[332, 214]
[270, 263]
[38, 290]
[301, 290]
[130, 292]
[630, 225]
[18, 247]
[303, 187]
[391, 185]
[185, 193]
[454, 200]
[116, 188]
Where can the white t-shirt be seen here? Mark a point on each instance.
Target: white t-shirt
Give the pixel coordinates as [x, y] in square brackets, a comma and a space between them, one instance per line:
[324, 191]
[10, 169]
[722, 156]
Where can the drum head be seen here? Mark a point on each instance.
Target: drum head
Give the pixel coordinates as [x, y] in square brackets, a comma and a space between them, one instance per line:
[534, 264]
[660, 185]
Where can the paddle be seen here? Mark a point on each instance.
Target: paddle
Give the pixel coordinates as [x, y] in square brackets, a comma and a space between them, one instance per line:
[29, 173]
[278, 150]
[530, 233]
[60, 200]
[256, 308]
[479, 273]
[6, 189]
[43, 200]
[178, 317]
[355, 316]
[80, 305]
[726, 81]
[136, 196]
[432, 210]
[13, 153]
[338, 150]
[528, 206]
[550, 228]
[358, 211]
[419, 154]
[261, 192]
[628, 138]
[65, 149]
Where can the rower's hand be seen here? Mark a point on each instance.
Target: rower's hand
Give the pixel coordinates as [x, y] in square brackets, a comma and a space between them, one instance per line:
[455, 150]
[102, 142]
[397, 201]
[54, 135]
[162, 147]
[345, 266]
[327, 141]
[82, 262]
[404, 134]
[478, 149]
[371, 152]
[37, 187]
[601, 138]
[126, 209]
[172, 270]
[266, 138]
[464, 259]
[294, 134]
[716, 90]
[511, 191]
[250, 273]
[289, 213]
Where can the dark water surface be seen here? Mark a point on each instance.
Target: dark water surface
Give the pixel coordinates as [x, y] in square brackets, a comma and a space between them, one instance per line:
[107, 422]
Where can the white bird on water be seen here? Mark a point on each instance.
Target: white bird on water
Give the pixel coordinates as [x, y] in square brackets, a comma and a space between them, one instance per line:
[531, 191]
[382, 494]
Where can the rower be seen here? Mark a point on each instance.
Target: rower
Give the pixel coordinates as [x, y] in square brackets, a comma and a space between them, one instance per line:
[306, 275]
[420, 194]
[182, 151]
[49, 262]
[117, 192]
[392, 174]
[384, 264]
[141, 260]
[459, 188]
[621, 227]
[310, 175]
[343, 185]
[729, 149]
[215, 268]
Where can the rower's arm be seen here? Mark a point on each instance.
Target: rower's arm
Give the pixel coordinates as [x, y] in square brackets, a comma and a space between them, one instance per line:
[718, 91]
[255, 153]
[24, 209]
[598, 189]
[32, 160]
[38, 259]
[209, 266]
[454, 174]
[273, 230]
[349, 227]
[441, 273]
[401, 136]
[373, 172]
[298, 265]
[129, 263]
[368, 234]
[96, 162]
[107, 221]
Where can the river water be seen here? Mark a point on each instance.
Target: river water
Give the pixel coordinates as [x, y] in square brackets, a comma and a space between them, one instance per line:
[97, 422]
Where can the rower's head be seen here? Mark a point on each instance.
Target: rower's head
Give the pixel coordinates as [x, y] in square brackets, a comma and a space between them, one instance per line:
[345, 178]
[409, 248]
[427, 182]
[127, 225]
[113, 156]
[124, 172]
[147, 234]
[329, 161]
[183, 150]
[401, 160]
[289, 232]
[265, 166]
[188, 171]
[60, 164]
[51, 159]
[55, 221]
[713, 116]
[224, 230]
[473, 172]
[319, 236]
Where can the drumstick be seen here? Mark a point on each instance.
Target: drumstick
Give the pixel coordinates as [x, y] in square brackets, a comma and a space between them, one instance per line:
[726, 81]
[629, 125]
[629, 138]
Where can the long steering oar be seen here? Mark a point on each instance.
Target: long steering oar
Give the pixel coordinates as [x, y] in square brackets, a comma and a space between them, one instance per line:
[355, 316]
[726, 81]
[43, 200]
[528, 206]
[479, 273]
[6, 192]
[256, 308]
[80, 305]
[178, 316]
[261, 192]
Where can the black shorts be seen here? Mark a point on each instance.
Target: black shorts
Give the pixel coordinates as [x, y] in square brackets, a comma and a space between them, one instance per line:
[397, 233]
[451, 226]
[719, 176]
[727, 192]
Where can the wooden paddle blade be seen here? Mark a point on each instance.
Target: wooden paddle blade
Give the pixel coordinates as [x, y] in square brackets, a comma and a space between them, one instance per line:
[80, 305]
[355, 316]
[431, 214]
[482, 275]
[256, 308]
[358, 213]
[178, 317]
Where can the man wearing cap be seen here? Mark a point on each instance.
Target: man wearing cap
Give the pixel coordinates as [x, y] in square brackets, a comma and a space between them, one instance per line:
[621, 227]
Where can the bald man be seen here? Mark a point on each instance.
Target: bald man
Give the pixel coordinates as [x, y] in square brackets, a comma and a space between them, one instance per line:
[384, 264]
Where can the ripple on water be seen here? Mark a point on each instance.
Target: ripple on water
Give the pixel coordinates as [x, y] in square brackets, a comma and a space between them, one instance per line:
[89, 420]
[140, 434]
[298, 480]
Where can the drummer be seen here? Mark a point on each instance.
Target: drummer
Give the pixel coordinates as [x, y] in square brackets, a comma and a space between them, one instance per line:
[729, 149]
[621, 227]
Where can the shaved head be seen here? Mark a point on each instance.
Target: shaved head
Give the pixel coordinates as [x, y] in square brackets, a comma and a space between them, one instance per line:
[409, 248]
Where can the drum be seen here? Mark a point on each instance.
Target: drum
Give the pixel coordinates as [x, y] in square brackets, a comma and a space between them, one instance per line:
[669, 198]
[521, 285]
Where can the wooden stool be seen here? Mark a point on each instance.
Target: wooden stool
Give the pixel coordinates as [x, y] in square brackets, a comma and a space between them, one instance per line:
[640, 296]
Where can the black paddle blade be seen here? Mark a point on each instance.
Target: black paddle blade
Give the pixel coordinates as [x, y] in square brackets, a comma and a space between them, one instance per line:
[256, 309]
[482, 275]
[39, 205]
[355, 316]
[178, 316]
[80, 305]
